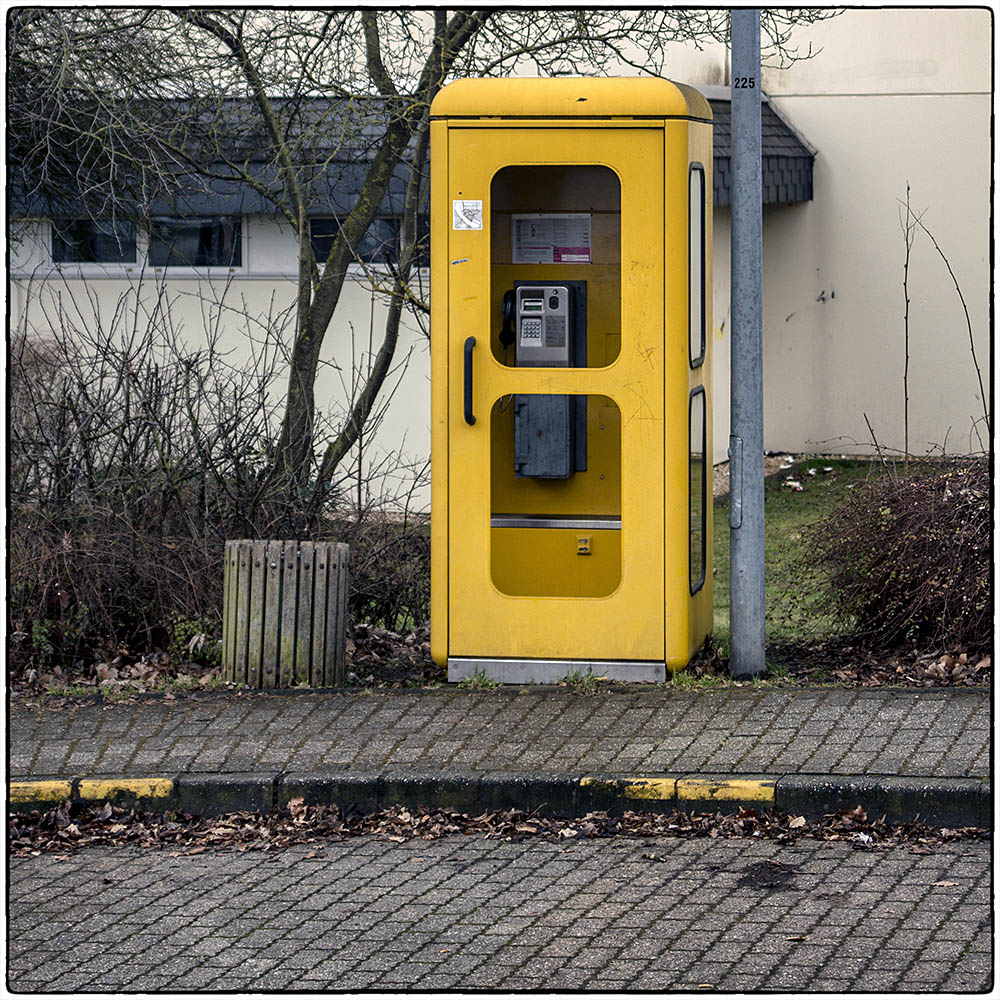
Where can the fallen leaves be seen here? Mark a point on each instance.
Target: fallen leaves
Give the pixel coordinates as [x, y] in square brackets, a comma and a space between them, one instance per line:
[381, 657]
[73, 825]
[852, 816]
[851, 663]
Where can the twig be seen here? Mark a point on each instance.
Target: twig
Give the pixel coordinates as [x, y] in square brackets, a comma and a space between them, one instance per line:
[878, 448]
[908, 241]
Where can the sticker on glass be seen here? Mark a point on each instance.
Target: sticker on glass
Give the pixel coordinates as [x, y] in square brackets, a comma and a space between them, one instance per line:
[551, 239]
[466, 214]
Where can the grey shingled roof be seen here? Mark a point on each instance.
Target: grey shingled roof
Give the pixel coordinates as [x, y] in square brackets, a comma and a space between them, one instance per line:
[787, 160]
[341, 166]
[787, 169]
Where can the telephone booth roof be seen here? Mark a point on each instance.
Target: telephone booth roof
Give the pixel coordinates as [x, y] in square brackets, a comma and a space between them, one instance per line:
[570, 97]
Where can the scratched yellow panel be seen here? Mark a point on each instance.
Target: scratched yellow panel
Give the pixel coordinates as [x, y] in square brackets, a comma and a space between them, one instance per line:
[612, 620]
[532, 561]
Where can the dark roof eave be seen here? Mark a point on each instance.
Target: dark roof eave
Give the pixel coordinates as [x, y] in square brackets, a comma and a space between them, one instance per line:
[788, 169]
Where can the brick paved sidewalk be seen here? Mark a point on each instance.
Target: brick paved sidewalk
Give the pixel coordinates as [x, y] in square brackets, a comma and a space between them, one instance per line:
[931, 733]
[465, 913]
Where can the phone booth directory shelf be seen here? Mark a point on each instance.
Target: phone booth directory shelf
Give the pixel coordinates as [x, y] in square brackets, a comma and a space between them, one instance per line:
[571, 517]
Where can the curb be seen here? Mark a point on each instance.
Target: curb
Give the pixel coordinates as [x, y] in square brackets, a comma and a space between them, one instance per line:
[938, 801]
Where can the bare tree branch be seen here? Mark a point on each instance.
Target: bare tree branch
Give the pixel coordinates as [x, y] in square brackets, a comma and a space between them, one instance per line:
[114, 110]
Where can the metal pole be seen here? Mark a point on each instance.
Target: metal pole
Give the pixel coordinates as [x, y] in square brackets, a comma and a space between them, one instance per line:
[746, 440]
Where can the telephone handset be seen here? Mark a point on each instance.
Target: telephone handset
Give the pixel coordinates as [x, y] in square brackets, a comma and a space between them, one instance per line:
[507, 334]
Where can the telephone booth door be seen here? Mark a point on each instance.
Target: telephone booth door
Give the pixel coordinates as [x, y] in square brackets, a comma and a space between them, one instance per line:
[555, 465]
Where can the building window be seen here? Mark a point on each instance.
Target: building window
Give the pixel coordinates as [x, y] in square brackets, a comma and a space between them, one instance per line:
[206, 242]
[89, 241]
[379, 245]
[697, 475]
[696, 263]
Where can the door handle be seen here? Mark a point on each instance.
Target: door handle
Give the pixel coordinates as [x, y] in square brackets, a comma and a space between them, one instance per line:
[470, 343]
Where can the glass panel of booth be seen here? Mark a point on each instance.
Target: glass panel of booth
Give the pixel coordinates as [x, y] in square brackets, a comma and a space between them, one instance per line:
[556, 460]
[556, 225]
[698, 487]
[555, 495]
[696, 263]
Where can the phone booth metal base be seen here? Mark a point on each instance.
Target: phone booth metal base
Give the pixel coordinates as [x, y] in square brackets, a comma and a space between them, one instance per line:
[571, 426]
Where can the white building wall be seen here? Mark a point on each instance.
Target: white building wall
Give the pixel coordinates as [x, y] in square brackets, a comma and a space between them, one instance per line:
[891, 96]
[894, 97]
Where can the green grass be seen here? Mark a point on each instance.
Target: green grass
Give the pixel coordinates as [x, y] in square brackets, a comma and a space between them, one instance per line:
[587, 683]
[795, 588]
[69, 691]
[687, 680]
[478, 682]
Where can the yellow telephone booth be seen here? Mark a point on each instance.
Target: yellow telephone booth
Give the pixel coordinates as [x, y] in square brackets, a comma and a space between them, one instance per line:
[571, 293]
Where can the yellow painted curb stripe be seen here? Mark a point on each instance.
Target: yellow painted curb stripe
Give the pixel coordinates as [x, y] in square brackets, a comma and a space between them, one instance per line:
[660, 789]
[650, 788]
[106, 788]
[726, 789]
[39, 791]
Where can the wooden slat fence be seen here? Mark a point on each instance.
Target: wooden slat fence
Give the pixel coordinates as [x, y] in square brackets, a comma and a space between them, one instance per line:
[284, 613]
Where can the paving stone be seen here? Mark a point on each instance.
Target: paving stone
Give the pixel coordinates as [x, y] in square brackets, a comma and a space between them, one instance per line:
[684, 939]
[507, 730]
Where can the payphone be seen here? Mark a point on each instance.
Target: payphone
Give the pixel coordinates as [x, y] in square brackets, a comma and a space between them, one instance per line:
[543, 325]
[547, 325]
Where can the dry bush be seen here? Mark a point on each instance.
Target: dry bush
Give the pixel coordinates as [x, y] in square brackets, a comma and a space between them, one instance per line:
[134, 457]
[132, 460]
[101, 588]
[390, 570]
[909, 557]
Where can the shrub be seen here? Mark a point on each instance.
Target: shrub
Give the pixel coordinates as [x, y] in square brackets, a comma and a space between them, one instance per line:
[132, 459]
[390, 570]
[909, 558]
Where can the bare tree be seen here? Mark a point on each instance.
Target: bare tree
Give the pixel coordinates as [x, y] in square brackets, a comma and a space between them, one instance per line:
[115, 102]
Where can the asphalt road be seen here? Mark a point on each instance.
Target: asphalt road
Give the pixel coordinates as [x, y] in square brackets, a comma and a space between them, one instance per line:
[464, 912]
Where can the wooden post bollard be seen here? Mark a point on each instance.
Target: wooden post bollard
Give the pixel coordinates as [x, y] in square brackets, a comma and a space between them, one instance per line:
[284, 613]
